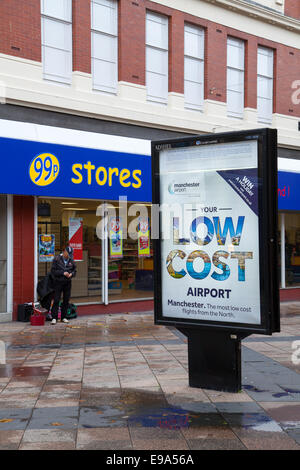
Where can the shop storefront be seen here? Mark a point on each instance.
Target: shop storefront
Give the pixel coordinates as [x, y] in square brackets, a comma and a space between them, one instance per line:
[65, 186]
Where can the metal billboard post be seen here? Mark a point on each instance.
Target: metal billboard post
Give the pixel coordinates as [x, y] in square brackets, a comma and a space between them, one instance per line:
[215, 262]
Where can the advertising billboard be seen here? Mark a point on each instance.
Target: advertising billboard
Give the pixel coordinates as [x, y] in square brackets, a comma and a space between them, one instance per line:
[215, 258]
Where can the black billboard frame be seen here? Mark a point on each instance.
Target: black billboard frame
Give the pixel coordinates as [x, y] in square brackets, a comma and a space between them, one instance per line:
[227, 335]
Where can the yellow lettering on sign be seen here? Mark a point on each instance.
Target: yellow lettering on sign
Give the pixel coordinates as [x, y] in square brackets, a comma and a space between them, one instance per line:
[138, 183]
[99, 170]
[104, 176]
[76, 172]
[89, 167]
[124, 175]
[111, 172]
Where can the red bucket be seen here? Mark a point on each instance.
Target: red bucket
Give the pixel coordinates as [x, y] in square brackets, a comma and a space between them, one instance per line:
[37, 320]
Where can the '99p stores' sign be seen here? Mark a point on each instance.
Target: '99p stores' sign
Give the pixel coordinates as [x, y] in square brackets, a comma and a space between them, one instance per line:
[66, 171]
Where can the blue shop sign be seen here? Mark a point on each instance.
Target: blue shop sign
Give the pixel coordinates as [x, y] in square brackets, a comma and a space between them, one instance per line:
[43, 169]
[288, 191]
[53, 170]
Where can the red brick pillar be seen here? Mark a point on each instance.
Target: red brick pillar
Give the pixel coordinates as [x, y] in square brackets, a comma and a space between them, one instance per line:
[81, 19]
[176, 52]
[132, 41]
[23, 251]
[20, 26]
[286, 80]
[292, 8]
[251, 73]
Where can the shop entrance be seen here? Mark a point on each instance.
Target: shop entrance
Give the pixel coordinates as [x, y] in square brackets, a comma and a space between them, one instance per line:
[130, 272]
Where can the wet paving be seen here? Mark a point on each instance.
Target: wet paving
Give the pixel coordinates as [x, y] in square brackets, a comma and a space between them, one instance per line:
[119, 382]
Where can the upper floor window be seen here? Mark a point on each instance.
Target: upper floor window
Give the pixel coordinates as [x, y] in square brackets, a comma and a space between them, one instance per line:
[235, 77]
[105, 45]
[265, 65]
[157, 57]
[57, 40]
[193, 67]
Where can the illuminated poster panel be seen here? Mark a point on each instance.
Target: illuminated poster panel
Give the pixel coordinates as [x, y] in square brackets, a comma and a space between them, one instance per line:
[212, 236]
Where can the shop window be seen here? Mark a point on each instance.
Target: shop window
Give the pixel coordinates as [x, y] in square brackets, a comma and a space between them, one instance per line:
[130, 269]
[290, 232]
[123, 272]
[105, 45]
[235, 77]
[193, 67]
[57, 40]
[265, 66]
[157, 57]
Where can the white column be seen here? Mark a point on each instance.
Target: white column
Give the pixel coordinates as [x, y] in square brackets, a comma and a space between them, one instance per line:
[282, 254]
[10, 244]
[105, 258]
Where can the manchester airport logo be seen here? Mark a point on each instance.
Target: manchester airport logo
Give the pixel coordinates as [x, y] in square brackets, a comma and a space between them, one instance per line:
[44, 169]
[185, 188]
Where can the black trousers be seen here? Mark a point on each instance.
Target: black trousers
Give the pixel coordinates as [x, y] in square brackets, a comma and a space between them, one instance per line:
[63, 287]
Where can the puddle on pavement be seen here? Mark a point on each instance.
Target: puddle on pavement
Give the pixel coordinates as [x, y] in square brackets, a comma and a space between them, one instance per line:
[150, 409]
[254, 421]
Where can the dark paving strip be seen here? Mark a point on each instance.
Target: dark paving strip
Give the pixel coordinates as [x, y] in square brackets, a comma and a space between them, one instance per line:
[271, 339]
[294, 434]
[266, 380]
[14, 419]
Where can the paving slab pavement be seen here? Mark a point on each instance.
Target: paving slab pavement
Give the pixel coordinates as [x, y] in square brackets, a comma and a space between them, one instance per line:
[119, 382]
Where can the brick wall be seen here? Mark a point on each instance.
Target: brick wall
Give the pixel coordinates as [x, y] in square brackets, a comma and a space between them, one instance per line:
[23, 255]
[20, 26]
[292, 8]
[131, 23]
[81, 19]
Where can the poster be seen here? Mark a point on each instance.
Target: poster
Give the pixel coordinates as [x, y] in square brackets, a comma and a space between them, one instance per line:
[46, 248]
[116, 237]
[210, 238]
[76, 237]
[143, 237]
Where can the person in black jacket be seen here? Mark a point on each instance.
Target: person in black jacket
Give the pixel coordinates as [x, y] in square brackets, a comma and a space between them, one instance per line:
[63, 270]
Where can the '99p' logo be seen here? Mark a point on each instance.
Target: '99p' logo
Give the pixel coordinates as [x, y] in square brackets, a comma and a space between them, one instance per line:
[44, 169]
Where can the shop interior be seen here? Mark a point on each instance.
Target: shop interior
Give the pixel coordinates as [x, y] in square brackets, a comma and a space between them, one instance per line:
[289, 224]
[130, 274]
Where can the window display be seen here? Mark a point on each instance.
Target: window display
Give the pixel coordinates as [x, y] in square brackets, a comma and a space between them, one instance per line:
[129, 276]
[290, 232]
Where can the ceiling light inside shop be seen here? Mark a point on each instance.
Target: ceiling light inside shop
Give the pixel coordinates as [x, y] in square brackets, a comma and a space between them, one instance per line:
[75, 209]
